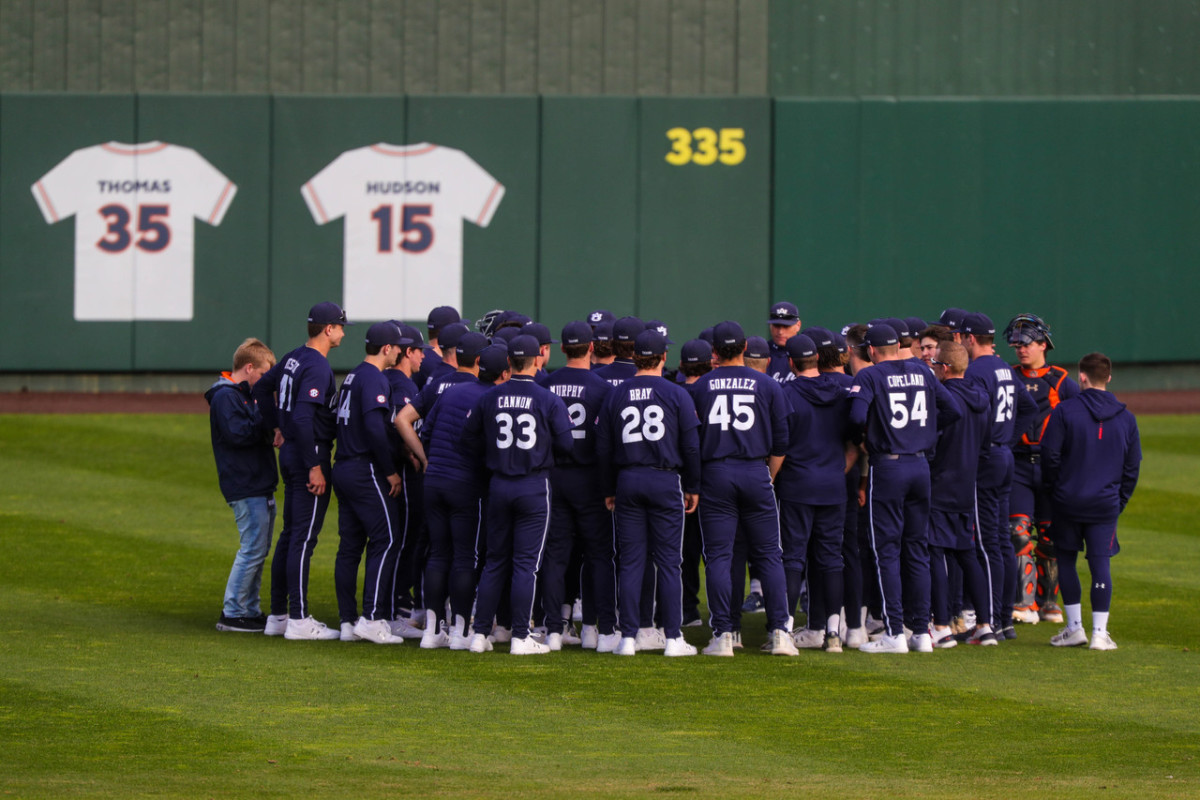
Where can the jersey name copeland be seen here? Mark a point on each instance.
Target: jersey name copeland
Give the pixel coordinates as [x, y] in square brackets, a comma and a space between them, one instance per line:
[133, 206]
[403, 209]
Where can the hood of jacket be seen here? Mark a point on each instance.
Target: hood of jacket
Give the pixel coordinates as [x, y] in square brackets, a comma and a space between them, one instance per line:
[1101, 405]
[220, 384]
[818, 391]
[973, 396]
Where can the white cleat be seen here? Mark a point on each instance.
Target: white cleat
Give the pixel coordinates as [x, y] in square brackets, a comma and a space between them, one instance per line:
[782, 644]
[577, 611]
[886, 644]
[569, 636]
[1069, 637]
[1027, 616]
[808, 639]
[589, 635]
[650, 639]
[436, 636]
[855, 638]
[276, 625]
[1101, 640]
[678, 647]
[944, 639]
[920, 643]
[607, 642]
[480, 644]
[460, 635]
[721, 645]
[378, 631]
[627, 647]
[347, 632]
[528, 646]
[555, 642]
[403, 627]
[500, 635]
[309, 628]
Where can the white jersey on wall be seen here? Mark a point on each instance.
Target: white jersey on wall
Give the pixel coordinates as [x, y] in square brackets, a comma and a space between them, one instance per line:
[133, 206]
[403, 209]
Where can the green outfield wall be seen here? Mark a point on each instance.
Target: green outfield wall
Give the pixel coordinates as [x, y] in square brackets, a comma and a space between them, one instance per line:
[688, 210]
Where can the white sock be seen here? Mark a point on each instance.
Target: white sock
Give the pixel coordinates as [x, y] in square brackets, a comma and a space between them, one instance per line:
[1074, 615]
[832, 624]
[755, 586]
[1099, 621]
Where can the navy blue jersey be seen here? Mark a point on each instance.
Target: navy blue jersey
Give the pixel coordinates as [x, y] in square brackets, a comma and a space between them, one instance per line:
[430, 362]
[780, 365]
[814, 471]
[583, 391]
[618, 371]
[448, 459]
[520, 426]
[303, 407]
[650, 422]
[364, 411]
[898, 403]
[433, 389]
[1091, 456]
[743, 414]
[956, 460]
[404, 391]
[1013, 409]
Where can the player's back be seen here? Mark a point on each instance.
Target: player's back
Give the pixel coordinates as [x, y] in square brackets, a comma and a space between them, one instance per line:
[583, 392]
[523, 424]
[902, 412]
[1000, 382]
[956, 459]
[743, 414]
[448, 459]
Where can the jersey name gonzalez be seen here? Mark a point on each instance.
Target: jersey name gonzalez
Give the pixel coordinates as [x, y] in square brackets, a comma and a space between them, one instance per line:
[134, 237]
[403, 208]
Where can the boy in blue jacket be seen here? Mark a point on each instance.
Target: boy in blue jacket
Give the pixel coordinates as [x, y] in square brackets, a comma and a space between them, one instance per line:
[246, 472]
[1091, 454]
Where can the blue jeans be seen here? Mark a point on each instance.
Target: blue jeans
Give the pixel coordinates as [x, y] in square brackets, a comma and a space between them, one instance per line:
[255, 518]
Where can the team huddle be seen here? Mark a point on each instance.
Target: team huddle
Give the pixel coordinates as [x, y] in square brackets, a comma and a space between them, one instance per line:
[898, 482]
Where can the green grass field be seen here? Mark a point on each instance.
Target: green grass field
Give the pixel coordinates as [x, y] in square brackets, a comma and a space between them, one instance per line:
[114, 550]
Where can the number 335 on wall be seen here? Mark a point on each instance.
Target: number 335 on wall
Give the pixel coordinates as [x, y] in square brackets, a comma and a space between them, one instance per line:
[704, 146]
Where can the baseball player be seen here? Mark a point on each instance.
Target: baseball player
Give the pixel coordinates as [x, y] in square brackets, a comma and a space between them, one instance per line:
[1013, 411]
[520, 427]
[602, 338]
[578, 513]
[952, 531]
[899, 406]
[649, 452]
[695, 361]
[367, 483]
[1091, 456]
[295, 397]
[743, 437]
[783, 324]
[625, 331]
[438, 318]
[1029, 505]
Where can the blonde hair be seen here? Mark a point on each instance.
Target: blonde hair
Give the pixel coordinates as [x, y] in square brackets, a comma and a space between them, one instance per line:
[252, 351]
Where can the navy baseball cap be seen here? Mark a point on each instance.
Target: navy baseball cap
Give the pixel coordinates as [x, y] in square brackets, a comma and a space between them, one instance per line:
[756, 347]
[695, 351]
[506, 335]
[577, 333]
[784, 313]
[978, 324]
[493, 359]
[839, 341]
[898, 325]
[442, 316]
[412, 334]
[382, 333]
[471, 344]
[603, 332]
[728, 332]
[881, 335]
[952, 318]
[821, 337]
[451, 334]
[626, 329]
[514, 316]
[650, 343]
[915, 325]
[801, 346]
[601, 315]
[661, 327]
[707, 335]
[538, 331]
[327, 314]
[524, 346]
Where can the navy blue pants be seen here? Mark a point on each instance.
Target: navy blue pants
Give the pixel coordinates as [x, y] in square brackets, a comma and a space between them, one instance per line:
[649, 522]
[898, 515]
[816, 530]
[737, 492]
[367, 519]
[992, 488]
[690, 570]
[518, 515]
[453, 512]
[303, 516]
[411, 563]
[578, 515]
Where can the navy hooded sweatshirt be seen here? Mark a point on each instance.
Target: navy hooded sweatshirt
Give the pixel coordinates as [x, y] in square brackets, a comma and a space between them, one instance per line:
[956, 461]
[1091, 454]
[814, 471]
[241, 442]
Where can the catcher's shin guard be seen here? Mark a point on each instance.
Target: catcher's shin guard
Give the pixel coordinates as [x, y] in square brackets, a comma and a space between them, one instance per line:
[1021, 529]
[1047, 568]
